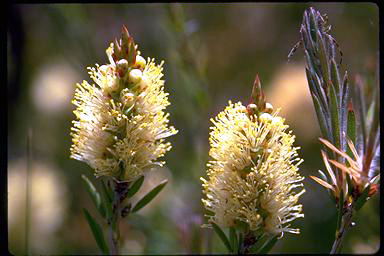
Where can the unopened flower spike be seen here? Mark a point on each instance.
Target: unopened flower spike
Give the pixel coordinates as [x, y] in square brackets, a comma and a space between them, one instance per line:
[257, 98]
[121, 124]
[253, 176]
[125, 48]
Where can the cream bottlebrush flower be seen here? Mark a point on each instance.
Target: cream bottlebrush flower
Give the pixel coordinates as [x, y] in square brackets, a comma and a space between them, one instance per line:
[253, 176]
[121, 124]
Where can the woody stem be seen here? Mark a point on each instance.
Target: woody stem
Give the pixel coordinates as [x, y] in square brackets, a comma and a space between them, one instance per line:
[340, 234]
[114, 224]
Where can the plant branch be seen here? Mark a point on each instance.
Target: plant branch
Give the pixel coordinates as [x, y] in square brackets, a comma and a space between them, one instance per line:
[120, 193]
[346, 223]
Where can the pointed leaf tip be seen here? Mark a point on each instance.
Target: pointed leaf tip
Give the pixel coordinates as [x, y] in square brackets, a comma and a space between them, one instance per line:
[149, 196]
[268, 245]
[222, 236]
[135, 186]
[362, 199]
[97, 232]
[95, 195]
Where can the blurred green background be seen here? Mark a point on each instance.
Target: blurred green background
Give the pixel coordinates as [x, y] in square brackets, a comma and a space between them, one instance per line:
[212, 53]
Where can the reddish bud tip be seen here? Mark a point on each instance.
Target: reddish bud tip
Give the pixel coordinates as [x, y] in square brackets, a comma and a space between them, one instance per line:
[350, 106]
[257, 80]
[257, 98]
[255, 90]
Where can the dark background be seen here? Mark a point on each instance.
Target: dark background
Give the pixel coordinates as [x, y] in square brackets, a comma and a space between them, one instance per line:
[212, 53]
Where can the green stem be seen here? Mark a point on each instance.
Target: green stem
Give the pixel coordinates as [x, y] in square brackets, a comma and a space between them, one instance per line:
[115, 233]
[340, 234]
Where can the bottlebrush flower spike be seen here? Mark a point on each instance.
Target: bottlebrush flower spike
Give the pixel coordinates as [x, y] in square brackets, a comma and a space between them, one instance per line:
[253, 177]
[121, 124]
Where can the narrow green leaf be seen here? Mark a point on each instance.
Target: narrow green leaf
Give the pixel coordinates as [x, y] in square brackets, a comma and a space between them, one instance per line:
[240, 243]
[322, 95]
[233, 239]
[268, 245]
[313, 29]
[148, 197]
[360, 110]
[135, 186]
[334, 107]
[362, 199]
[313, 84]
[345, 99]
[108, 199]
[335, 77]
[108, 193]
[331, 49]
[310, 59]
[260, 237]
[323, 59]
[323, 123]
[340, 210]
[97, 232]
[307, 40]
[373, 134]
[222, 236]
[305, 31]
[232, 234]
[351, 129]
[95, 196]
